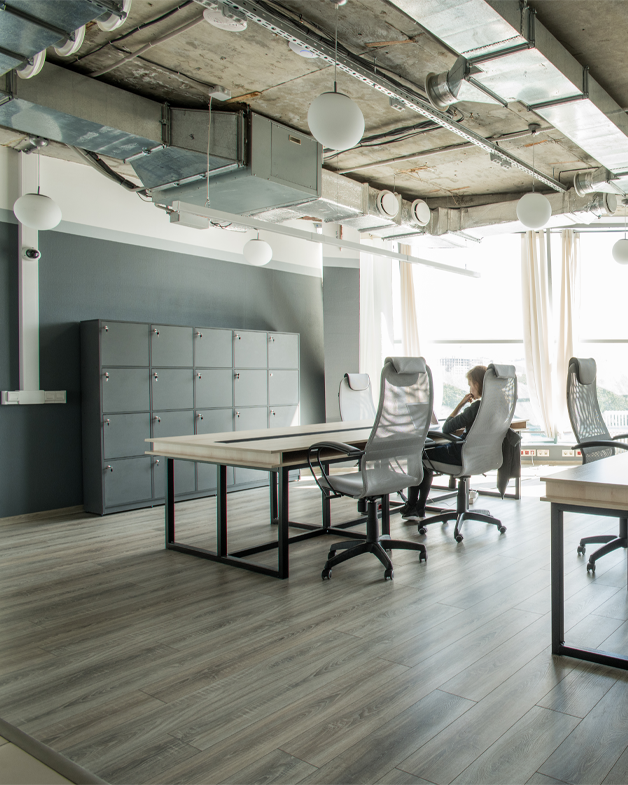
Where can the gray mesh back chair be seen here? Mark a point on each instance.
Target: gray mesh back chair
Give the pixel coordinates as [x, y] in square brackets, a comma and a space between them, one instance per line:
[390, 461]
[482, 449]
[594, 441]
[355, 398]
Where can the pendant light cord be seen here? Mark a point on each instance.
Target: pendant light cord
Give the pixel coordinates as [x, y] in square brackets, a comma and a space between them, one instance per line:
[533, 146]
[336, 50]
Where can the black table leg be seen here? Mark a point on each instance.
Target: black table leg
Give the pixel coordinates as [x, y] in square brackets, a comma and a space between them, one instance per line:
[221, 510]
[273, 497]
[283, 516]
[558, 583]
[169, 501]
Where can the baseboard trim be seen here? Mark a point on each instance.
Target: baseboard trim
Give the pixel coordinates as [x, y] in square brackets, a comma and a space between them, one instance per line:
[44, 514]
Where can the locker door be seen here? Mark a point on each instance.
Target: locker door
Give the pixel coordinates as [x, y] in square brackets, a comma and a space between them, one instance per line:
[125, 390]
[124, 434]
[212, 348]
[127, 481]
[213, 388]
[250, 349]
[283, 350]
[283, 388]
[123, 344]
[212, 421]
[171, 347]
[168, 423]
[250, 388]
[172, 388]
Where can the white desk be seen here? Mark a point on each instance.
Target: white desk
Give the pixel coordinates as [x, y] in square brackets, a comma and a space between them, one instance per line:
[277, 450]
[598, 488]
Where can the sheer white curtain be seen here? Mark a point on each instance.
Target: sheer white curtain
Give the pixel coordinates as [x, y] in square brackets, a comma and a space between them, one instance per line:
[409, 323]
[567, 319]
[376, 317]
[537, 328]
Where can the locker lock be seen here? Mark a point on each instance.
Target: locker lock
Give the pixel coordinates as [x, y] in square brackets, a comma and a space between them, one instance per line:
[157, 462]
[271, 339]
[239, 337]
[199, 335]
[107, 422]
[199, 376]
[270, 374]
[237, 414]
[106, 376]
[105, 328]
[109, 467]
[199, 417]
[236, 375]
[157, 418]
[155, 377]
[273, 412]
[155, 331]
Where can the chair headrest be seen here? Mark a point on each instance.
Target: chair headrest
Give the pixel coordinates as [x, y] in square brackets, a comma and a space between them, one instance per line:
[358, 381]
[586, 370]
[503, 371]
[407, 364]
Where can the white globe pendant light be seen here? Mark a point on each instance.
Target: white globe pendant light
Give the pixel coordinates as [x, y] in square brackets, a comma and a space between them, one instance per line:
[534, 210]
[620, 249]
[36, 210]
[334, 119]
[257, 252]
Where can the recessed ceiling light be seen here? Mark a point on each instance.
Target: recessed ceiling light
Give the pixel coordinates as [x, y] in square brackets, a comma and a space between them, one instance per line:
[224, 18]
[302, 50]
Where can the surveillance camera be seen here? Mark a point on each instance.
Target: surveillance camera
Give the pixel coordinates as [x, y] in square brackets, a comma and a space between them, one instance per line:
[31, 253]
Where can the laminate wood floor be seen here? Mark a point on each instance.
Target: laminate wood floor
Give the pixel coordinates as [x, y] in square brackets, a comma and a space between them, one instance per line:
[149, 666]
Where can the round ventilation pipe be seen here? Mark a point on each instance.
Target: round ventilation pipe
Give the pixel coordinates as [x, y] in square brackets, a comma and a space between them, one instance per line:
[387, 204]
[72, 45]
[33, 66]
[110, 22]
[420, 212]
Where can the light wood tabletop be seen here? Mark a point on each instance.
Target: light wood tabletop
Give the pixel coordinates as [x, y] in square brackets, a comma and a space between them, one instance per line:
[602, 483]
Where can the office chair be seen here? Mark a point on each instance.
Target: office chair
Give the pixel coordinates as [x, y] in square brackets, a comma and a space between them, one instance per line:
[390, 461]
[355, 398]
[482, 449]
[594, 441]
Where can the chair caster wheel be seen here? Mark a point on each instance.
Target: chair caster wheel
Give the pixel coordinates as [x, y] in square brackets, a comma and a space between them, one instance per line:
[422, 530]
[459, 538]
[388, 574]
[326, 574]
[502, 529]
[581, 550]
[591, 567]
[331, 554]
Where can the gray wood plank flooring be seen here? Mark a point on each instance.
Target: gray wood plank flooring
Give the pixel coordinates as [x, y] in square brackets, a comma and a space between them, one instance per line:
[149, 666]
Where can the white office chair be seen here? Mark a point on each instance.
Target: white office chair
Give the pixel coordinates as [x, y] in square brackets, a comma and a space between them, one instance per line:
[355, 398]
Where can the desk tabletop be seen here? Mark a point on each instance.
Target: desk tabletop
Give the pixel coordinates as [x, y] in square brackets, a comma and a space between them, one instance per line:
[602, 483]
[263, 449]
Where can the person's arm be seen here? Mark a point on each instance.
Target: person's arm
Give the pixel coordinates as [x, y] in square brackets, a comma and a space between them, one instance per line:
[455, 421]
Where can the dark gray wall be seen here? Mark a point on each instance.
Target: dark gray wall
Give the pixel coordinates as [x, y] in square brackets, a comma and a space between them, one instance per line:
[341, 306]
[82, 278]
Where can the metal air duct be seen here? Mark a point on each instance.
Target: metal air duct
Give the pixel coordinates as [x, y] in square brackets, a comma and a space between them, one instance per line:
[511, 56]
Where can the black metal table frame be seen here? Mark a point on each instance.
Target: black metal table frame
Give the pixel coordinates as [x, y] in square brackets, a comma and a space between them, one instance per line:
[279, 514]
[558, 588]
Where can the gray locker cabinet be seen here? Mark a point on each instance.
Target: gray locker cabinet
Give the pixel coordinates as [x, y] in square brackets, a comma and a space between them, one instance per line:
[251, 419]
[172, 388]
[250, 388]
[283, 416]
[123, 343]
[213, 348]
[127, 481]
[125, 390]
[124, 435]
[250, 349]
[283, 388]
[213, 388]
[283, 350]
[171, 347]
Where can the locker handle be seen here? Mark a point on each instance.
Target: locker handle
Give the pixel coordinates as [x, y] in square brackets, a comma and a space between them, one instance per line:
[239, 337]
[199, 335]
[199, 417]
[157, 462]
[270, 374]
[156, 377]
[270, 339]
[107, 422]
[109, 467]
[237, 414]
[105, 328]
[106, 376]
[273, 412]
[157, 418]
[199, 376]
[236, 375]
[155, 331]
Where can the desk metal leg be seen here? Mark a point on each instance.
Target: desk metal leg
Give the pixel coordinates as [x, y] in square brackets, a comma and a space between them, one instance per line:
[272, 485]
[558, 587]
[221, 510]
[169, 501]
[283, 513]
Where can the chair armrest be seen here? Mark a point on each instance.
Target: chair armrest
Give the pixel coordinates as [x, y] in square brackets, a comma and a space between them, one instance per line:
[620, 436]
[450, 437]
[314, 460]
[605, 443]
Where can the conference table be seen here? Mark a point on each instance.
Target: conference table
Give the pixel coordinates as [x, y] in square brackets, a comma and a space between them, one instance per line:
[598, 488]
[276, 450]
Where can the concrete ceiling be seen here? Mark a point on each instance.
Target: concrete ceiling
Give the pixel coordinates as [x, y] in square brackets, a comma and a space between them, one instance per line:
[260, 70]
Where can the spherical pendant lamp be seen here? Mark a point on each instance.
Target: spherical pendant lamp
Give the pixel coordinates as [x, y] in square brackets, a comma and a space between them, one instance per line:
[620, 251]
[257, 252]
[335, 121]
[37, 211]
[534, 210]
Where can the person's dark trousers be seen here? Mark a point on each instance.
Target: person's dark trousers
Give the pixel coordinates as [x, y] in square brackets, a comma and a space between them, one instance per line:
[445, 453]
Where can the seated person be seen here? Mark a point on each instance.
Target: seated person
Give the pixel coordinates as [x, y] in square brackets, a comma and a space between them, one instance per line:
[451, 453]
